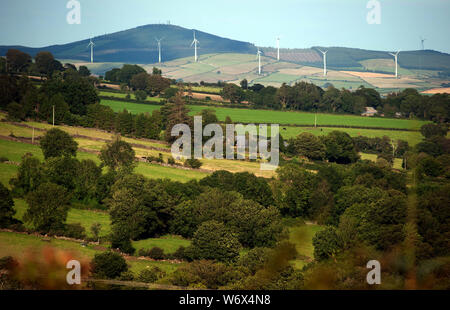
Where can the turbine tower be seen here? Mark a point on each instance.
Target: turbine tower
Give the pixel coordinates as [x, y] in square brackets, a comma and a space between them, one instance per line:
[278, 49]
[91, 44]
[195, 42]
[159, 48]
[324, 62]
[396, 62]
[258, 54]
[422, 41]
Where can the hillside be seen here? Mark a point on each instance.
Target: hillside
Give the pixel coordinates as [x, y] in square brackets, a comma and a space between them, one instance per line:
[138, 45]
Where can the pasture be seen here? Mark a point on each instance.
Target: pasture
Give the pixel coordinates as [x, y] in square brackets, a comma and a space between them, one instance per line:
[279, 117]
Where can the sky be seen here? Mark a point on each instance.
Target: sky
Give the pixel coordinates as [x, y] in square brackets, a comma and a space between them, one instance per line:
[298, 23]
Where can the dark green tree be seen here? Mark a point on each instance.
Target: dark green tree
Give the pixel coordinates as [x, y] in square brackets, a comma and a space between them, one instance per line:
[7, 211]
[118, 155]
[56, 143]
[47, 207]
[108, 265]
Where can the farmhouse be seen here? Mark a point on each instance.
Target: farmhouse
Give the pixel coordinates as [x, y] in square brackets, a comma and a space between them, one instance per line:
[369, 112]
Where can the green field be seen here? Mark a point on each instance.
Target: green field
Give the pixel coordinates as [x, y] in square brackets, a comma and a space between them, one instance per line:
[279, 117]
[168, 243]
[413, 137]
[15, 150]
[132, 96]
[302, 236]
[14, 244]
[85, 217]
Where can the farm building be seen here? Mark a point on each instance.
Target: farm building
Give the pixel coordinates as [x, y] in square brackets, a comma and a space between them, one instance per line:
[369, 112]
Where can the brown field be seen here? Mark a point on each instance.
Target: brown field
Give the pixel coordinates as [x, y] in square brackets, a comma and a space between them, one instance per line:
[203, 96]
[239, 69]
[441, 90]
[368, 74]
[302, 71]
[392, 82]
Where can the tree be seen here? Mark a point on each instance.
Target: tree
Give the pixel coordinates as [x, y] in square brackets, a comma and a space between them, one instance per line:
[244, 84]
[56, 143]
[95, 229]
[140, 81]
[156, 71]
[7, 211]
[308, 145]
[127, 72]
[87, 176]
[293, 189]
[84, 71]
[108, 265]
[17, 61]
[340, 148]
[118, 155]
[141, 95]
[47, 207]
[233, 93]
[431, 130]
[214, 241]
[326, 243]
[29, 176]
[16, 111]
[120, 239]
[157, 84]
[46, 63]
[60, 107]
[177, 114]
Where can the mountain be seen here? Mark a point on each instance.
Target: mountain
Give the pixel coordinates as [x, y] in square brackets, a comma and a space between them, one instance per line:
[138, 45]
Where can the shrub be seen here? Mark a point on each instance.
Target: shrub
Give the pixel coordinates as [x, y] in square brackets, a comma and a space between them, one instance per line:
[180, 253]
[109, 265]
[156, 253]
[141, 95]
[171, 161]
[193, 163]
[75, 231]
[126, 276]
[151, 275]
[3, 159]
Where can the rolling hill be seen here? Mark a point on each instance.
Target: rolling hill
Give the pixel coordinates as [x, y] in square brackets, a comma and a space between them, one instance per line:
[138, 45]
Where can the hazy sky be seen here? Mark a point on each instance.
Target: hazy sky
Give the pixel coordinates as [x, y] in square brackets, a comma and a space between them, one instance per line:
[299, 23]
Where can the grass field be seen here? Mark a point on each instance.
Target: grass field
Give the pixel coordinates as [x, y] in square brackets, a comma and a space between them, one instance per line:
[16, 245]
[132, 96]
[279, 117]
[302, 236]
[413, 137]
[15, 150]
[85, 217]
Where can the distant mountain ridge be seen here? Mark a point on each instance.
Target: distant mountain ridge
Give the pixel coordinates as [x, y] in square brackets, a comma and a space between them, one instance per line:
[138, 45]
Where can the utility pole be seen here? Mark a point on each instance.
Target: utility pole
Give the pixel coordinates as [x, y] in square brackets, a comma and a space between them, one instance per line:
[53, 116]
[32, 138]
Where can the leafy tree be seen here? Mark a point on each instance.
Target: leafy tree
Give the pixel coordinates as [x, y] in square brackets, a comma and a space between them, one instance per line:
[62, 171]
[118, 155]
[308, 145]
[431, 130]
[141, 95]
[61, 109]
[326, 243]
[108, 265]
[340, 148]
[95, 229]
[156, 71]
[177, 113]
[29, 176]
[17, 61]
[16, 111]
[151, 275]
[140, 81]
[157, 84]
[120, 239]
[7, 211]
[127, 72]
[244, 84]
[214, 241]
[46, 63]
[84, 71]
[56, 143]
[47, 207]
[293, 189]
[87, 176]
[233, 93]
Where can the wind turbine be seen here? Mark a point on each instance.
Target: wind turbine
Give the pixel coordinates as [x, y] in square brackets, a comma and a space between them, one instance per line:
[396, 62]
[195, 42]
[278, 49]
[422, 41]
[324, 62]
[91, 44]
[159, 48]
[258, 55]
